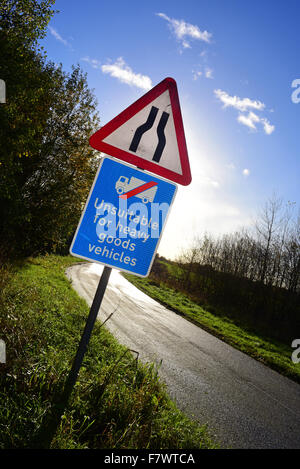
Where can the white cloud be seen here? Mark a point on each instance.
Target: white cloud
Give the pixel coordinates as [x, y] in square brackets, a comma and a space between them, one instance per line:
[208, 72]
[246, 105]
[238, 103]
[268, 128]
[246, 172]
[186, 45]
[124, 73]
[93, 62]
[250, 120]
[57, 36]
[183, 30]
[196, 74]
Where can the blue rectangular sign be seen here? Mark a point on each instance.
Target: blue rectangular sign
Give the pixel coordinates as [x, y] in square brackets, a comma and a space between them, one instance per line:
[123, 218]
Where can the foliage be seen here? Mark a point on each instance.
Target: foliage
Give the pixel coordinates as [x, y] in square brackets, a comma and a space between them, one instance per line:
[46, 164]
[60, 183]
[117, 401]
[25, 21]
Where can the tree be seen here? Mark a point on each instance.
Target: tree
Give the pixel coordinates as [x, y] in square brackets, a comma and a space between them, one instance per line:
[46, 165]
[187, 259]
[58, 187]
[267, 227]
[292, 259]
[24, 115]
[25, 21]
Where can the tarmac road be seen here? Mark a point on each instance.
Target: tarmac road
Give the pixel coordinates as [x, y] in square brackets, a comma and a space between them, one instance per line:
[244, 403]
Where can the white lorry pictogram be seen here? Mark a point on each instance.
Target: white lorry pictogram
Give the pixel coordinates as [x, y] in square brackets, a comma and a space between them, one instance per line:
[123, 185]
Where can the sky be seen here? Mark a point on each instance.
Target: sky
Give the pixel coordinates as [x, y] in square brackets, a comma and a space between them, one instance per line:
[236, 64]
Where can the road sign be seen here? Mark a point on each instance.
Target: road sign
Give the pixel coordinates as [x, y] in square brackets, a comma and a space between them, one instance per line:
[149, 134]
[124, 217]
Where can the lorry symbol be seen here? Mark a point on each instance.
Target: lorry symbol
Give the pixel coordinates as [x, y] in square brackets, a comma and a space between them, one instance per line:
[123, 185]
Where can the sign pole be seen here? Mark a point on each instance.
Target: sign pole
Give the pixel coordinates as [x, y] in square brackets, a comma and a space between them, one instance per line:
[70, 383]
[51, 422]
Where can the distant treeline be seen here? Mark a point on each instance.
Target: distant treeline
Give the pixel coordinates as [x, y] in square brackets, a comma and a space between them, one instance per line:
[269, 254]
[253, 277]
[46, 164]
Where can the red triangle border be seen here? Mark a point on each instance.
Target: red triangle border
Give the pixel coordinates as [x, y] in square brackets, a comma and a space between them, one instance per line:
[96, 140]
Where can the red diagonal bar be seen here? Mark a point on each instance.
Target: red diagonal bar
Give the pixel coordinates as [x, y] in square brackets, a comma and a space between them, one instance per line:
[138, 190]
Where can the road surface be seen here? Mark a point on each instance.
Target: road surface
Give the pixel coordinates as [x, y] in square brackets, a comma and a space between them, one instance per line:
[244, 403]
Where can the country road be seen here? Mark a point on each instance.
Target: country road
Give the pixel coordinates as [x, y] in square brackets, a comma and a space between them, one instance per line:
[244, 403]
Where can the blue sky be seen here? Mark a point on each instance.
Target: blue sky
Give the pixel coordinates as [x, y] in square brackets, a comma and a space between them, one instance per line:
[234, 62]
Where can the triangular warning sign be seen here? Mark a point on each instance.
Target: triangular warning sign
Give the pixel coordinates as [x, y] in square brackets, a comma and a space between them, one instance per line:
[149, 134]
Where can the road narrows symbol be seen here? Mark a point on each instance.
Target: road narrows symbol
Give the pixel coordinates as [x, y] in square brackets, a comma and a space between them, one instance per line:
[143, 128]
[147, 126]
[161, 137]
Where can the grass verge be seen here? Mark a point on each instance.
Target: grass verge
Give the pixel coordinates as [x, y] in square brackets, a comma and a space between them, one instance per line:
[117, 401]
[272, 353]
